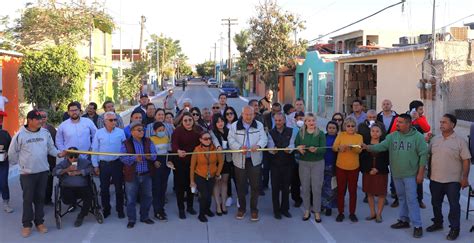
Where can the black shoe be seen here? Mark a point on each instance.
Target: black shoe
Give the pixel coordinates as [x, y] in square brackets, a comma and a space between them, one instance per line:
[130, 225]
[121, 215]
[210, 213]
[328, 212]
[298, 203]
[218, 214]
[434, 227]
[394, 204]
[147, 221]
[417, 232]
[340, 217]
[353, 218]
[317, 220]
[453, 234]
[161, 217]
[286, 214]
[202, 218]
[400, 225]
[182, 215]
[393, 195]
[78, 221]
[422, 205]
[191, 211]
[277, 215]
[106, 214]
[224, 212]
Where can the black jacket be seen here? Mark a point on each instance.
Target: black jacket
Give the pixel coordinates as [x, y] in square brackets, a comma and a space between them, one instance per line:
[367, 162]
[364, 130]
[380, 119]
[5, 140]
[281, 140]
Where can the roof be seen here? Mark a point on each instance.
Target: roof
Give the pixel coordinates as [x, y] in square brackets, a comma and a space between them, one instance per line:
[385, 51]
[10, 53]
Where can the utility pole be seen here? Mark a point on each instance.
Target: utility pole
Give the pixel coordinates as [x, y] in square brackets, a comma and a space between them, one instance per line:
[229, 22]
[158, 63]
[215, 70]
[142, 27]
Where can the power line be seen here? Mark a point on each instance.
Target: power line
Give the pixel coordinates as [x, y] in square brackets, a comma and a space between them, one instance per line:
[463, 18]
[360, 20]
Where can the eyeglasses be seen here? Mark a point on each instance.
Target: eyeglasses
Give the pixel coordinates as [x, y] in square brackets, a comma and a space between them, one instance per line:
[187, 120]
[139, 130]
[350, 126]
[206, 138]
[195, 114]
[229, 113]
[112, 120]
[215, 107]
[73, 156]
[337, 119]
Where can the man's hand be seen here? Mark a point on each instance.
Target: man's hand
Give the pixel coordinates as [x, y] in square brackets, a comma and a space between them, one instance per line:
[62, 154]
[419, 178]
[71, 168]
[373, 171]
[181, 153]
[254, 148]
[464, 182]
[364, 146]
[272, 151]
[218, 177]
[219, 148]
[96, 171]
[157, 164]
[313, 149]
[244, 149]
[301, 149]
[170, 165]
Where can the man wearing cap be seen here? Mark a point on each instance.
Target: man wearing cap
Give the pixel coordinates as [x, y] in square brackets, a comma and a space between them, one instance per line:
[144, 100]
[170, 102]
[137, 172]
[30, 148]
[75, 132]
[109, 168]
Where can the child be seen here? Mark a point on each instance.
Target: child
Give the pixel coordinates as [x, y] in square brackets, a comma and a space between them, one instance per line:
[329, 193]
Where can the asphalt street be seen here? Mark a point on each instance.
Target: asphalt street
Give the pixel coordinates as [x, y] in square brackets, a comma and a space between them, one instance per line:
[227, 228]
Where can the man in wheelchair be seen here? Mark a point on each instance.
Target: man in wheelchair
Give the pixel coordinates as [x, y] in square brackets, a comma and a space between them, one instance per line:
[73, 173]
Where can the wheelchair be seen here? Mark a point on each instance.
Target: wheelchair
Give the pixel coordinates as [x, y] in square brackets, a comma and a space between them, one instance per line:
[95, 209]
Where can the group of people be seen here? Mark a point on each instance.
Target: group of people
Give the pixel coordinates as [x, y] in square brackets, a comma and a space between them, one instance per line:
[277, 144]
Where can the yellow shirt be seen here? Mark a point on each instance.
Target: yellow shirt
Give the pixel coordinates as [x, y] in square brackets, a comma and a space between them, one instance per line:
[348, 160]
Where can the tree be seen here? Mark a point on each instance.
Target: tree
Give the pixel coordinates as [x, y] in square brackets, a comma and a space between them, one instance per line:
[53, 77]
[206, 69]
[169, 49]
[242, 41]
[132, 80]
[57, 23]
[271, 45]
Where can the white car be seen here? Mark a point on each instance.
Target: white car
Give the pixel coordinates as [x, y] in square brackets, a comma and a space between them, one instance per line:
[212, 82]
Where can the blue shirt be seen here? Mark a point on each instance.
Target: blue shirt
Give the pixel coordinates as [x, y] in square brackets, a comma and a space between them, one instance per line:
[77, 135]
[142, 167]
[128, 132]
[105, 141]
[359, 119]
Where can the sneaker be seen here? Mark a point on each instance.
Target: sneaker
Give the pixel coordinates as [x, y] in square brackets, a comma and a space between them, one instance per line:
[161, 217]
[400, 225]
[422, 205]
[147, 221]
[130, 225]
[394, 204]
[434, 227]
[240, 215]
[202, 218]
[6, 207]
[228, 202]
[26, 232]
[210, 213]
[417, 232]
[453, 234]
[254, 217]
[340, 217]
[353, 218]
[42, 228]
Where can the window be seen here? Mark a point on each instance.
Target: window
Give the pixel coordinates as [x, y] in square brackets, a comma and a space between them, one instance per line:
[325, 94]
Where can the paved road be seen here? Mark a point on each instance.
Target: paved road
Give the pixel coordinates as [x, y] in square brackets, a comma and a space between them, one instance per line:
[226, 228]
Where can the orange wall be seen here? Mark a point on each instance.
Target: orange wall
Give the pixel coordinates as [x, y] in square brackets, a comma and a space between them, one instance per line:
[10, 65]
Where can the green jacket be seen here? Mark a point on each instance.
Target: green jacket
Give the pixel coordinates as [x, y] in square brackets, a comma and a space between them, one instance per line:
[309, 140]
[408, 152]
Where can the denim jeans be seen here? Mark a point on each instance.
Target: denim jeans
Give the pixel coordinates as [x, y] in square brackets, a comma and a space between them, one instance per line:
[4, 180]
[407, 196]
[140, 184]
[159, 185]
[452, 191]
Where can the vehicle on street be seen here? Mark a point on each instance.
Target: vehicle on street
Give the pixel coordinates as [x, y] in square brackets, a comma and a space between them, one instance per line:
[212, 82]
[180, 82]
[230, 89]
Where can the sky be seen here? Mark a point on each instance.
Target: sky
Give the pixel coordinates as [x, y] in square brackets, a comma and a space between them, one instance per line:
[198, 23]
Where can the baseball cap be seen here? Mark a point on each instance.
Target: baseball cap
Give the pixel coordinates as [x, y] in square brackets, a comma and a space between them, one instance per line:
[135, 124]
[34, 114]
[143, 95]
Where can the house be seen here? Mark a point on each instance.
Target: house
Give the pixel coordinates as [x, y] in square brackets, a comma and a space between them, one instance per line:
[9, 64]
[314, 83]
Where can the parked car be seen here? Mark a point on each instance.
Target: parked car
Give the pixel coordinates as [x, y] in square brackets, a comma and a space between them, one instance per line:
[180, 82]
[230, 90]
[212, 82]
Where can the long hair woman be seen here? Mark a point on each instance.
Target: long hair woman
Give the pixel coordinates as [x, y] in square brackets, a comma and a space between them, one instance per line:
[197, 116]
[329, 192]
[185, 138]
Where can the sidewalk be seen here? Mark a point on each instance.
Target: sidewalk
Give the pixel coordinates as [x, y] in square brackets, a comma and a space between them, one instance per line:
[126, 114]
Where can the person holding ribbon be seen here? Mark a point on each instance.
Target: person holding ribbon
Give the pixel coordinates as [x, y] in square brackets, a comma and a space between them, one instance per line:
[310, 143]
[206, 168]
[347, 145]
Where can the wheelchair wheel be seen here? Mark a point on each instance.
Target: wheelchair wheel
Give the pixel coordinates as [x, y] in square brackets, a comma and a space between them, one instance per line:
[98, 216]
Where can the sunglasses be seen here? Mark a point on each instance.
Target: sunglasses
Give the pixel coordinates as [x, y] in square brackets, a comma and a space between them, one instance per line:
[195, 114]
[206, 138]
[215, 107]
[187, 120]
[350, 126]
[112, 120]
[73, 156]
[336, 119]
[229, 113]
